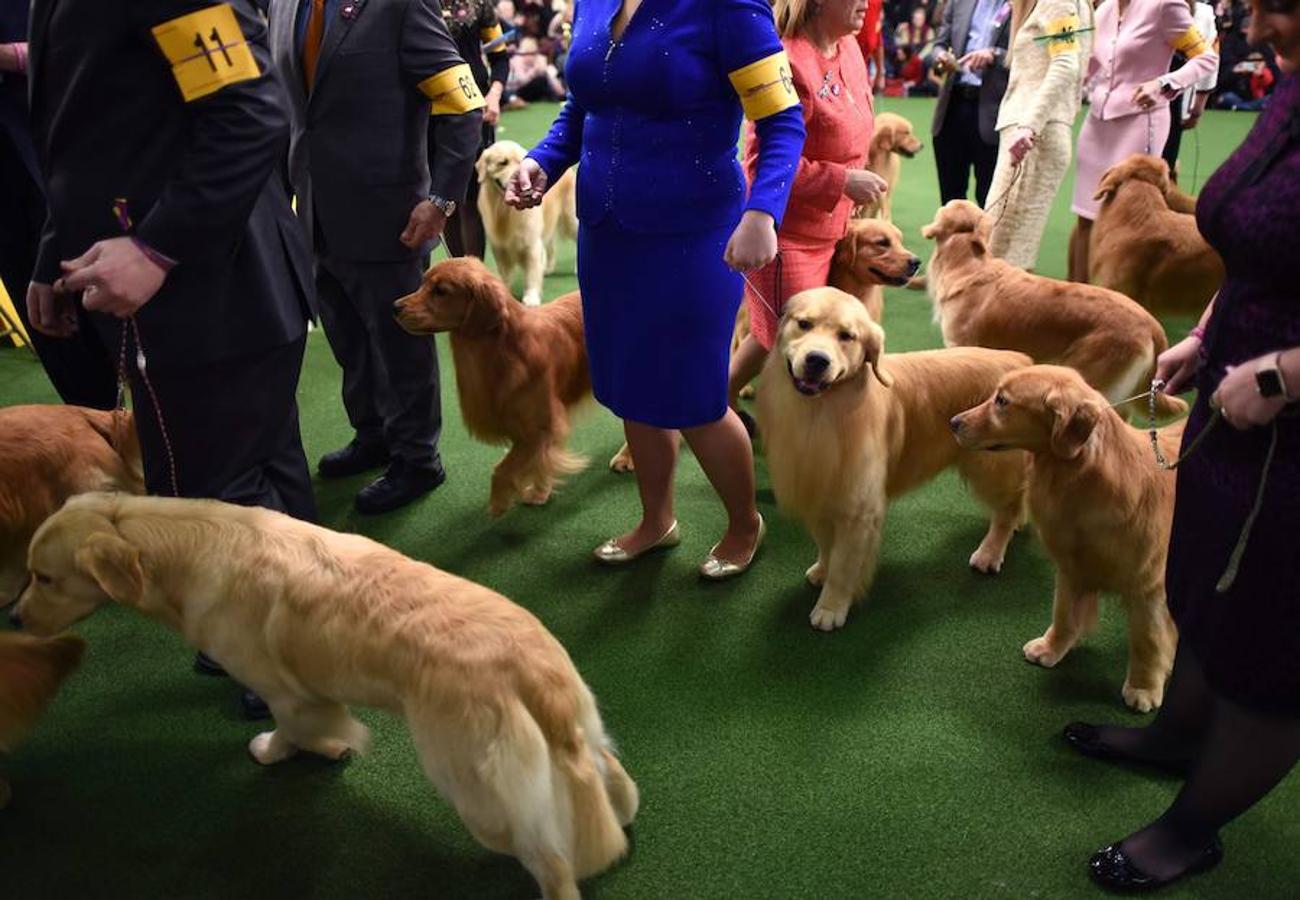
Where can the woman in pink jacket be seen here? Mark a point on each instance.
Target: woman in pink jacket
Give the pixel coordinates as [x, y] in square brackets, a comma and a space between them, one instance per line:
[1129, 88]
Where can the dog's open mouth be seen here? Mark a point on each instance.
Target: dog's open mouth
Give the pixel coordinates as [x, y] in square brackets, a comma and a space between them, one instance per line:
[891, 280]
[809, 387]
[908, 154]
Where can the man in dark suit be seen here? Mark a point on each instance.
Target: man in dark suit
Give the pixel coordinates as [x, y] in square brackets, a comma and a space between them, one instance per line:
[78, 366]
[363, 77]
[971, 50]
[160, 128]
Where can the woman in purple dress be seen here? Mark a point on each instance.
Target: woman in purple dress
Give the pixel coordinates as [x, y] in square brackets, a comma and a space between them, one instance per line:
[1230, 723]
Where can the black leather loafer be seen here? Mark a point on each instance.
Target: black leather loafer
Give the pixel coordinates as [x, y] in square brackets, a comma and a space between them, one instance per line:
[206, 665]
[1113, 871]
[397, 487]
[352, 460]
[1086, 739]
[253, 707]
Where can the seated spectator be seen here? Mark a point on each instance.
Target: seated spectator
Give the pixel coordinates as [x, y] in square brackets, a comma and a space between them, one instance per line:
[913, 41]
[1255, 75]
[532, 76]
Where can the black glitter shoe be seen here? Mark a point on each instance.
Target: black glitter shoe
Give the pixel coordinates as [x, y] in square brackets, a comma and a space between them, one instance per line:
[1113, 871]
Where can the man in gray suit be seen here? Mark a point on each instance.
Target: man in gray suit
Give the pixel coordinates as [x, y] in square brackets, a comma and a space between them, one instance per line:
[971, 48]
[363, 77]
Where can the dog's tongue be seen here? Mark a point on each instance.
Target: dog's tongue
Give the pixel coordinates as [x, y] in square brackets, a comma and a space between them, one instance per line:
[805, 386]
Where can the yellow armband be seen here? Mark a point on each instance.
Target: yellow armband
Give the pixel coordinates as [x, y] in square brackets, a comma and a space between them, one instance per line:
[488, 35]
[1063, 35]
[1190, 43]
[765, 87]
[206, 50]
[453, 91]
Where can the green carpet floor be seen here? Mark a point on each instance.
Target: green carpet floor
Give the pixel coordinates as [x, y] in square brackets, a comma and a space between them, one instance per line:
[912, 754]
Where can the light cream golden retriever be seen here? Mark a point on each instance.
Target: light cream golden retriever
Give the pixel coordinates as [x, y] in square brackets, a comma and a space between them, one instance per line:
[520, 372]
[48, 454]
[847, 430]
[987, 302]
[314, 620]
[893, 139]
[523, 239]
[1102, 508]
[1146, 250]
[31, 670]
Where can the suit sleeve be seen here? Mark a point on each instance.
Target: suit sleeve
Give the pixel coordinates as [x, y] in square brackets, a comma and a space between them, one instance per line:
[1056, 98]
[433, 65]
[943, 40]
[751, 57]
[1209, 29]
[498, 57]
[238, 124]
[560, 149]
[1181, 34]
[48, 256]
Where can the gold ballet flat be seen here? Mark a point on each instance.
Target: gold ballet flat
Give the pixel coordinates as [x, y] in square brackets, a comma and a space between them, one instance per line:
[715, 569]
[611, 554]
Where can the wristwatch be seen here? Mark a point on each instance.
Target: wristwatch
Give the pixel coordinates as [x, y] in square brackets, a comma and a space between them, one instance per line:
[447, 207]
[1269, 381]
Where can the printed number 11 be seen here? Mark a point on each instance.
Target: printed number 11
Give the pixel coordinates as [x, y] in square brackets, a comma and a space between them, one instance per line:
[215, 37]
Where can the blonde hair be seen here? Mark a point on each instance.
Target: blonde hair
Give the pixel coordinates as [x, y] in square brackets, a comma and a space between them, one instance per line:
[792, 16]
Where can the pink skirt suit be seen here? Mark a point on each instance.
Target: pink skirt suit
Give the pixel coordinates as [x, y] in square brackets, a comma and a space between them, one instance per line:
[1127, 52]
[838, 117]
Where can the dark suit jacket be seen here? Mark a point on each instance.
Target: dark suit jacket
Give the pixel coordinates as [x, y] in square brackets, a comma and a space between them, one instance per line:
[13, 90]
[358, 158]
[111, 120]
[954, 31]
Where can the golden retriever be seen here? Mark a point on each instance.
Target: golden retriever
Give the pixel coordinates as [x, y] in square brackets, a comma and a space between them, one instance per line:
[314, 620]
[47, 454]
[987, 302]
[520, 371]
[840, 447]
[1102, 508]
[1144, 249]
[31, 670]
[523, 239]
[892, 140]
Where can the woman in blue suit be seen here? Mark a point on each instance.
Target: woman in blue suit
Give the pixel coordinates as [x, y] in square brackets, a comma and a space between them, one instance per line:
[657, 92]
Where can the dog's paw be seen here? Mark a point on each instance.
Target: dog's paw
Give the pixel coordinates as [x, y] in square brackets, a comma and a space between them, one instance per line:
[1040, 652]
[622, 461]
[816, 574]
[824, 618]
[1143, 700]
[532, 298]
[269, 748]
[535, 496]
[498, 508]
[987, 562]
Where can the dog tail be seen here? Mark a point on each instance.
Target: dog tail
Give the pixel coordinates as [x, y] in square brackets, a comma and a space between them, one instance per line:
[31, 670]
[563, 461]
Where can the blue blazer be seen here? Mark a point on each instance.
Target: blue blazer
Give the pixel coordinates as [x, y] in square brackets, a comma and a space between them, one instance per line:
[655, 117]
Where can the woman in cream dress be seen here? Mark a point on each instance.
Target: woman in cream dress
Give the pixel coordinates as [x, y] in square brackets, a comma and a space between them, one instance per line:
[1050, 41]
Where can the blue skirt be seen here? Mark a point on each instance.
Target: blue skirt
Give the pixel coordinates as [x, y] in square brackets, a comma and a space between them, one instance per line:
[658, 311]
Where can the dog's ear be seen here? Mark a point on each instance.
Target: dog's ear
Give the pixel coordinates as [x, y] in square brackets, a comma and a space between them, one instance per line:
[873, 348]
[114, 564]
[1073, 423]
[846, 250]
[480, 167]
[487, 299]
[932, 232]
[884, 138]
[1108, 185]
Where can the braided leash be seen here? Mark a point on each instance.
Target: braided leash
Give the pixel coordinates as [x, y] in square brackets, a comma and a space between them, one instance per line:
[759, 294]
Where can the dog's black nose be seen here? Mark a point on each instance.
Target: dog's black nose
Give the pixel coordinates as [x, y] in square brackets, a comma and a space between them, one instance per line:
[815, 364]
[14, 619]
[955, 424]
[913, 265]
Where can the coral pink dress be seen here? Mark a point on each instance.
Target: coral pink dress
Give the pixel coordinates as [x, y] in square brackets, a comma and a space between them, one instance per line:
[838, 116]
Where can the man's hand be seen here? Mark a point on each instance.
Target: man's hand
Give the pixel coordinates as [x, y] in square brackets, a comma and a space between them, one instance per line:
[114, 276]
[53, 314]
[425, 224]
[977, 60]
[492, 111]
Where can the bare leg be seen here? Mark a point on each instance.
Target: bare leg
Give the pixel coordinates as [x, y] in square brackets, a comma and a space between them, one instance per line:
[746, 363]
[727, 458]
[654, 451]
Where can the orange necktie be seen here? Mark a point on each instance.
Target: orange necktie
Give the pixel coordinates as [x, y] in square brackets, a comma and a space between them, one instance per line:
[312, 41]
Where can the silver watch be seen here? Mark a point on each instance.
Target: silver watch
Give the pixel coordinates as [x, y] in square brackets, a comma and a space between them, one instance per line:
[447, 207]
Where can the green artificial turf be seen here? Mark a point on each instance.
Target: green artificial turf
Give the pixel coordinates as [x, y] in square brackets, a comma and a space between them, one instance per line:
[912, 754]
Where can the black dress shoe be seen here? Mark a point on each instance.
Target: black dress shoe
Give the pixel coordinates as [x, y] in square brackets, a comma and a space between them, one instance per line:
[206, 665]
[253, 707]
[397, 487]
[353, 459]
[1086, 739]
[1113, 871]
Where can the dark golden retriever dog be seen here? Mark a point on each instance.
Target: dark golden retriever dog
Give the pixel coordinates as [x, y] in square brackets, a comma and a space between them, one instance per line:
[894, 139]
[1102, 508]
[48, 454]
[1143, 248]
[31, 670]
[520, 371]
[870, 256]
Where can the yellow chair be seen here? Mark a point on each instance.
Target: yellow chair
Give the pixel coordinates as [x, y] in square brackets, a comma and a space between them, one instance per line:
[11, 326]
